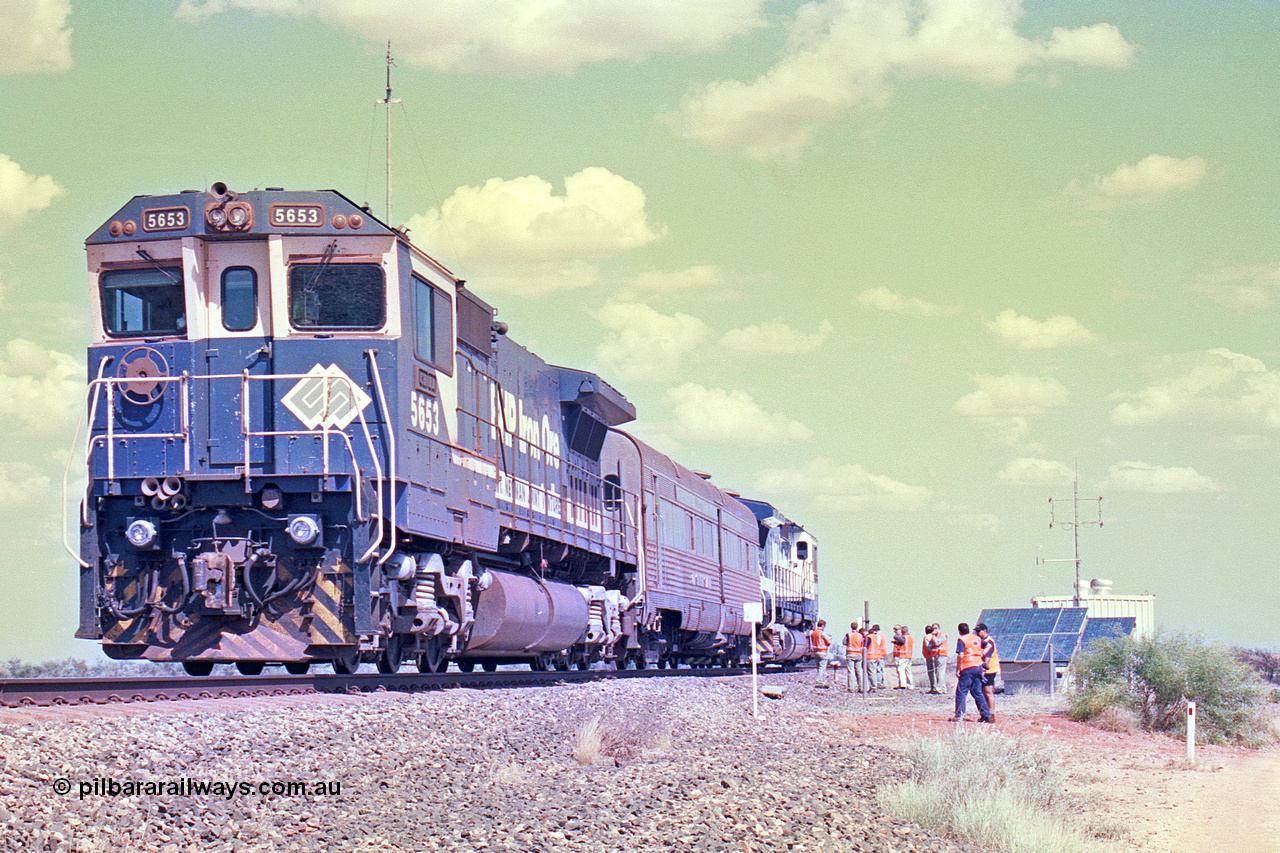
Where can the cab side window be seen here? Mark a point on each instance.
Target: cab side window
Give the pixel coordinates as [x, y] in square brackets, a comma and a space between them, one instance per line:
[432, 325]
[239, 299]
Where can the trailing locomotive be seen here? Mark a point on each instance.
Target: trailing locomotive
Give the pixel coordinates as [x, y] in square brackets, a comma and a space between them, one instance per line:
[309, 441]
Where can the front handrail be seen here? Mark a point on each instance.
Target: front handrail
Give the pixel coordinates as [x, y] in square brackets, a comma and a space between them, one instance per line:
[107, 387]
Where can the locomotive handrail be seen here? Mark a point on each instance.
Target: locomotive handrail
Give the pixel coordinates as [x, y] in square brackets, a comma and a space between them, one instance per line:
[105, 387]
[372, 355]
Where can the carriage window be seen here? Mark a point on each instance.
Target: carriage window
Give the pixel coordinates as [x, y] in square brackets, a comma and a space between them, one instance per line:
[337, 296]
[239, 299]
[433, 325]
[143, 302]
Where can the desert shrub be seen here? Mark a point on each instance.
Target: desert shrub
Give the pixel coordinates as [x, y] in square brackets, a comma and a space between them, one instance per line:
[1155, 677]
[988, 788]
[1265, 662]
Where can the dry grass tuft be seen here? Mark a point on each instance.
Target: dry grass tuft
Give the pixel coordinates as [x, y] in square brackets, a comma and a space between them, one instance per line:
[621, 736]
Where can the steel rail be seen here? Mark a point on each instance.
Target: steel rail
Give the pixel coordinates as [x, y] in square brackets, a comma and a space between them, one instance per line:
[44, 692]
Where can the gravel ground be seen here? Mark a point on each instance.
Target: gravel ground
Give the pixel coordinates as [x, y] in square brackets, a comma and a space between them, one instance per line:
[680, 765]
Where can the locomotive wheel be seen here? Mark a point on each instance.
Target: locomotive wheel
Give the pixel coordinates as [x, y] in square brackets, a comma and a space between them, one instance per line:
[489, 665]
[467, 666]
[538, 664]
[297, 667]
[198, 667]
[392, 656]
[640, 659]
[347, 662]
[250, 667]
[432, 658]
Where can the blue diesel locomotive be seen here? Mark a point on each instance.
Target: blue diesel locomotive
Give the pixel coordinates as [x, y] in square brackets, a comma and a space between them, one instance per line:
[309, 441]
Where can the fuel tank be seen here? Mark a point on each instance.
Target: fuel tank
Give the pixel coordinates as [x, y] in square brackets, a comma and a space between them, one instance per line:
[523, 615]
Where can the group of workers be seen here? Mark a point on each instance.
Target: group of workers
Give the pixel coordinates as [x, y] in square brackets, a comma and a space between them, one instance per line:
[866, 650]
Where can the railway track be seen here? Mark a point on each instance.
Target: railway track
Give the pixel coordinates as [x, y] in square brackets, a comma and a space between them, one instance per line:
[19, 692]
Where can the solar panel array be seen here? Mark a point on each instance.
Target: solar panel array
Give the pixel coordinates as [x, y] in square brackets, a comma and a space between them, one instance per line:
[1030, 634]
[1106, 627]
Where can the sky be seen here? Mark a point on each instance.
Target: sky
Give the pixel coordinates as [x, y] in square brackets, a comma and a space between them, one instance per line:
[900, 268]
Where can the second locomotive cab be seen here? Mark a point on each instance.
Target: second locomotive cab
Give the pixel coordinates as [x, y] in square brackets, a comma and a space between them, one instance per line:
[309, 441]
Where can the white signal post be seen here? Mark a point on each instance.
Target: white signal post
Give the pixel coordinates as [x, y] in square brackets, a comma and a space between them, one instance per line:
[1191, 732]
[753, 612]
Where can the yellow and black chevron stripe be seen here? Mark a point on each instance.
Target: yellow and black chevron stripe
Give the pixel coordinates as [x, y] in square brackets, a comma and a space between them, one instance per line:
[329, 609]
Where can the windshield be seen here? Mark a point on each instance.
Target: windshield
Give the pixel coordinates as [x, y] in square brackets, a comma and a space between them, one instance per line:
[336, 296]
[143, 302]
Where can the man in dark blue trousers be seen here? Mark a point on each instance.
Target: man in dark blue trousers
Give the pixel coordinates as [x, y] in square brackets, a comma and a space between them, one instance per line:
[969, 668]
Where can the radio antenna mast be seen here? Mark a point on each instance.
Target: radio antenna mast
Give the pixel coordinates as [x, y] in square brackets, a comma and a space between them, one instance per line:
[1075, 524]
[388, 101]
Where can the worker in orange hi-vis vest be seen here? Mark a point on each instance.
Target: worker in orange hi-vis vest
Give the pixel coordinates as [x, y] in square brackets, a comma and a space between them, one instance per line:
[990, 667]
[969, 668]
[935, 658]
[904, 651]
[877, 649]
[821, 645]
[855, 649]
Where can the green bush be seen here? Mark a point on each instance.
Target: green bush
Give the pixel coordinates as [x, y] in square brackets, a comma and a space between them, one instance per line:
[1155, 677]
[76, 668]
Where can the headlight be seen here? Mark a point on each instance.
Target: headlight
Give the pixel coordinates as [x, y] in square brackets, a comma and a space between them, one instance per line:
[217, 217]
[304, 529]
[141, 533]
[237, 217]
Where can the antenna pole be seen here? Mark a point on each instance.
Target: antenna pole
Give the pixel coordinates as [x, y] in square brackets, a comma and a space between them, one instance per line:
[1075, 525]
[388, 101]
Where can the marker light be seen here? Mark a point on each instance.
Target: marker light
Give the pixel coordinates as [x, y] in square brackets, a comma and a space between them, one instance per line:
[141, 533]
[304, 529]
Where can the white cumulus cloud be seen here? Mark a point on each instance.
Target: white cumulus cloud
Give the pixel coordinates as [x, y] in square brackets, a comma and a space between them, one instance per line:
[1028, 471]
[642, 344]
[1206, 391]
[498, 36]
[1006, 403]
[21, 193]
[1151, 178]
[841, 52]
[1026, 333]
[886, 300]
[706, 281]
[599, 215]
[835, 487]
[520, 237]
[34, 36]
[1247, 290]
[41, 390]
[732, 417]
[775, 339]
[1156, 480]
